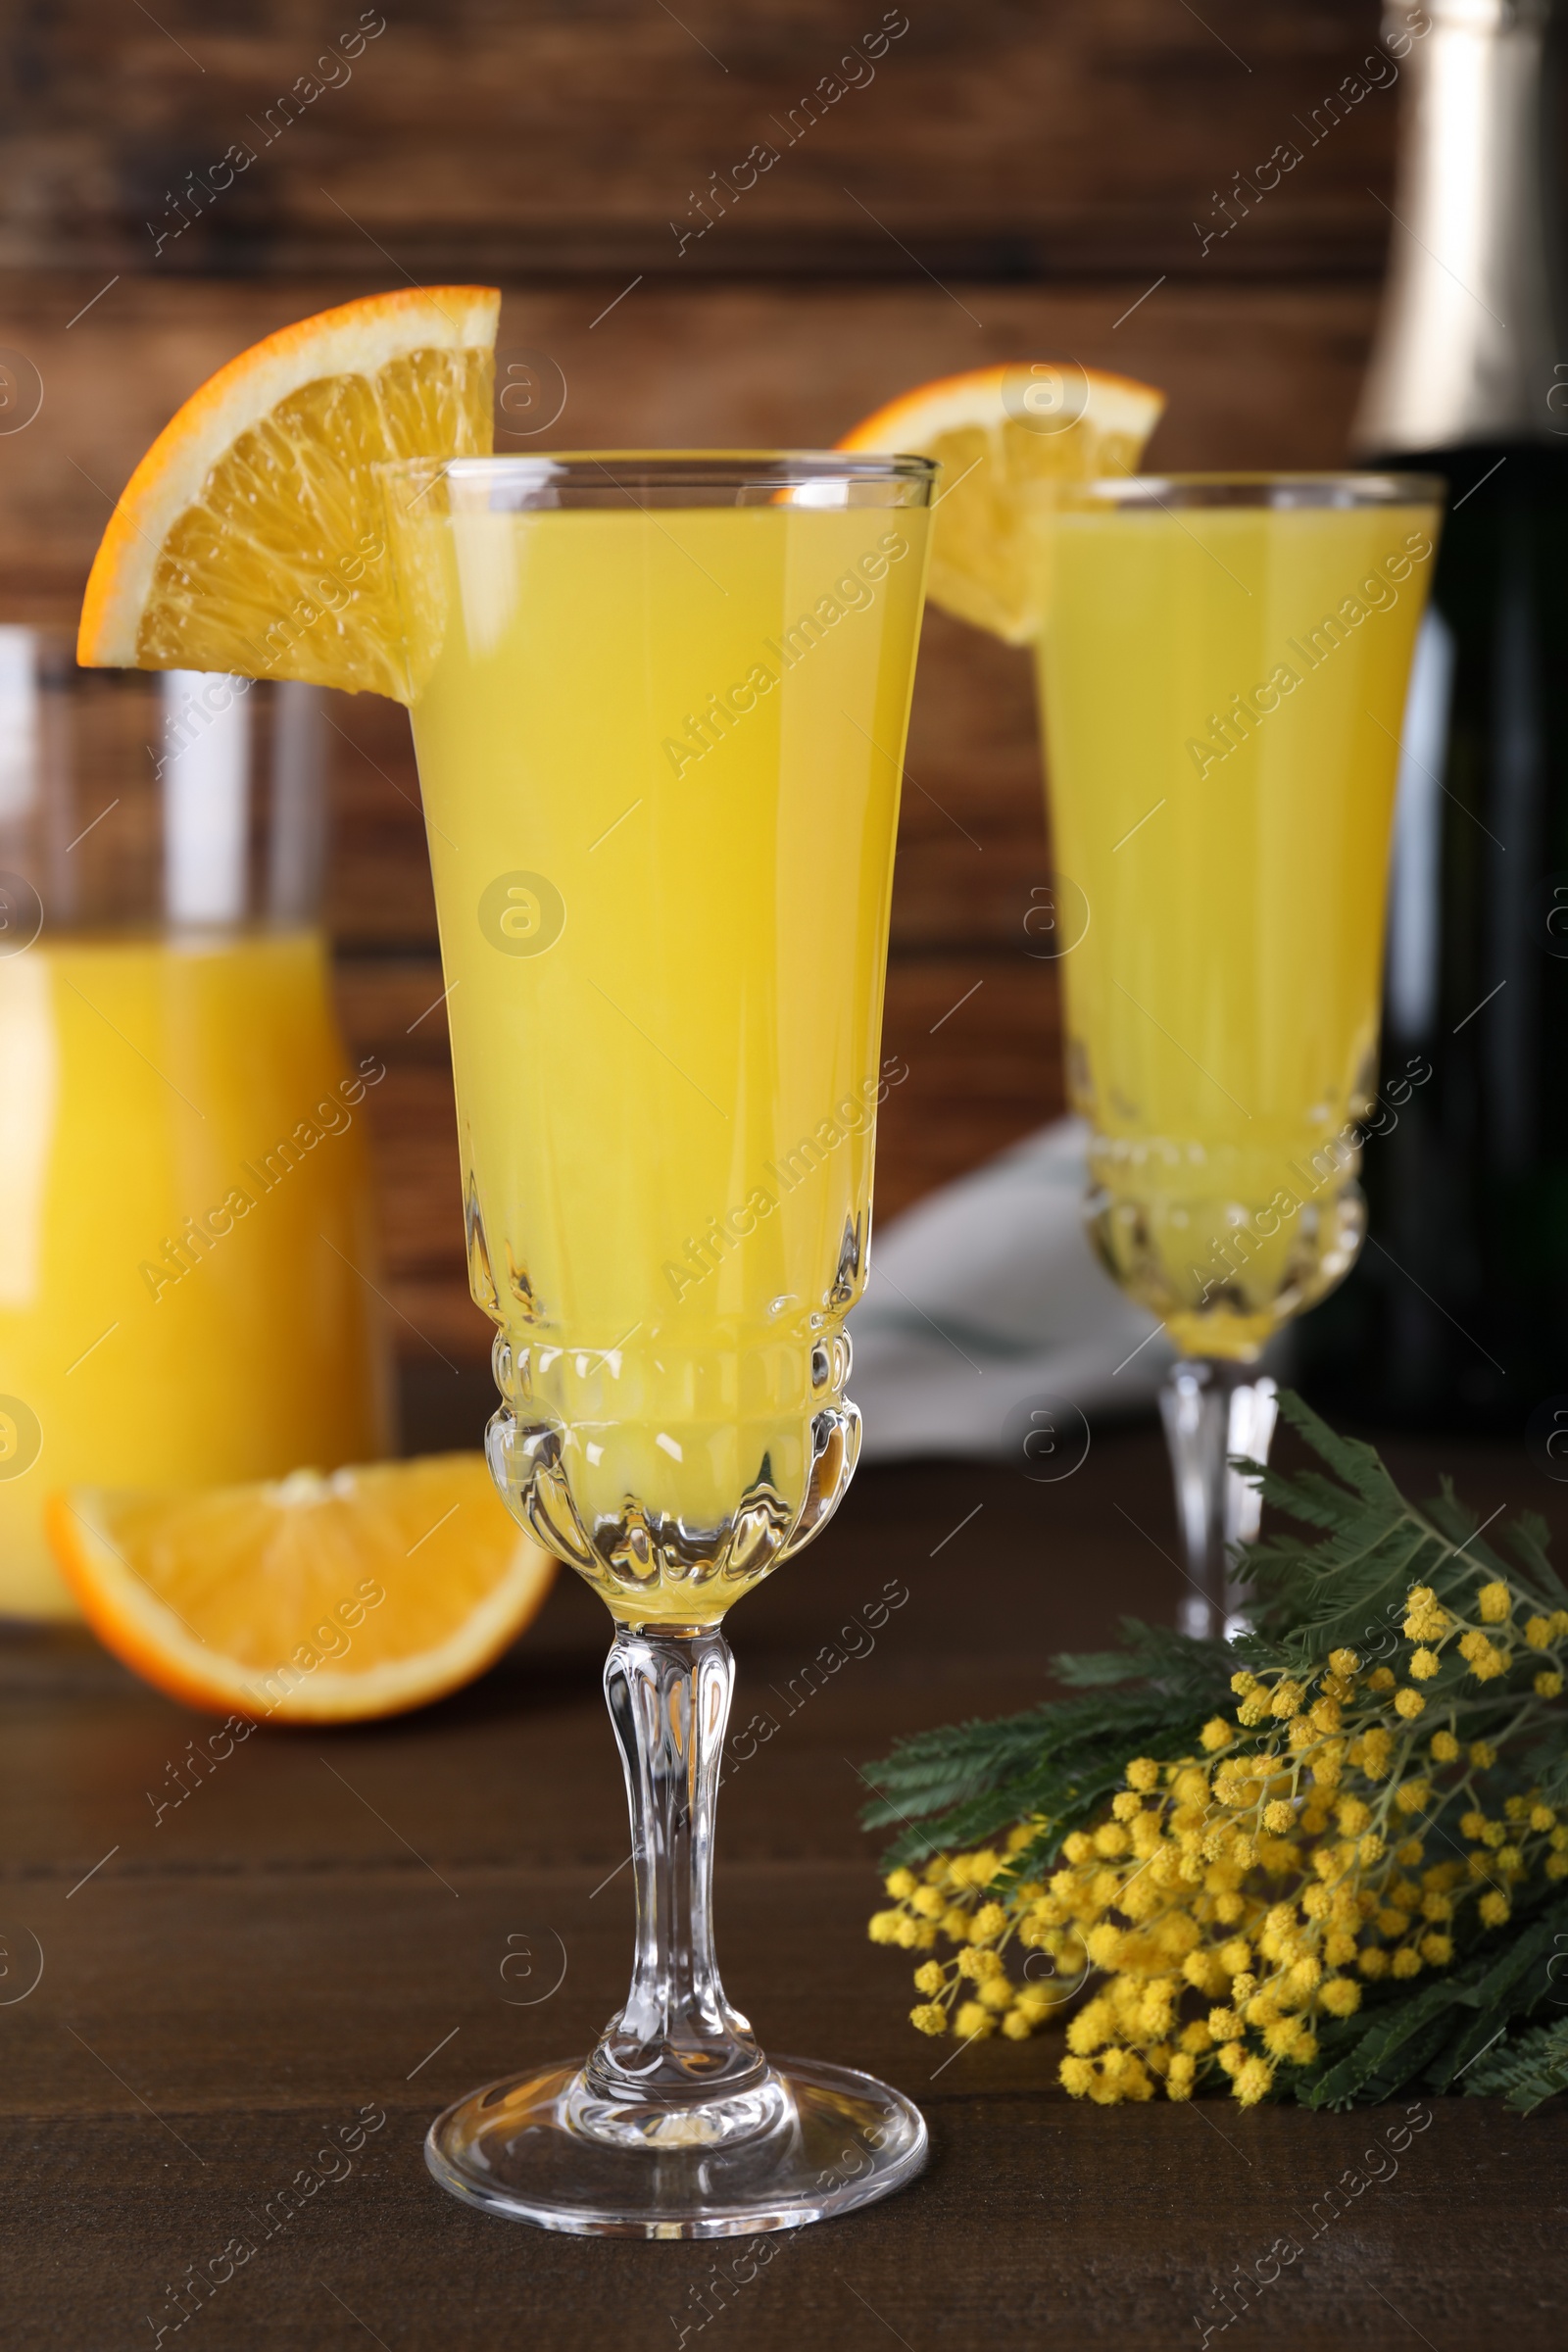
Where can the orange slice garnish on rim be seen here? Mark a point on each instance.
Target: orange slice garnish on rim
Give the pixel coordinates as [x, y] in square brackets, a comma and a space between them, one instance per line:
[250, 538]
[999, 432]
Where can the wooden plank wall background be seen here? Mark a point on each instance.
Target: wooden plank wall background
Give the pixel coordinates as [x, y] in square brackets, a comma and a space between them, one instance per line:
[998, 180]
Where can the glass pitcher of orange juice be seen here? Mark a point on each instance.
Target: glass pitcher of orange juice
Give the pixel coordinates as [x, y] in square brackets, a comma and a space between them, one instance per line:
[188, 1281]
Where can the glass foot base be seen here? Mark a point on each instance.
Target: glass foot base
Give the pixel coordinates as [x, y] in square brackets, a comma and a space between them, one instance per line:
[833, 2139]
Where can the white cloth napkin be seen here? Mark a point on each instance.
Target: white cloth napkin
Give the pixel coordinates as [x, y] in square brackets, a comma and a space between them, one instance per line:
[984, 1301]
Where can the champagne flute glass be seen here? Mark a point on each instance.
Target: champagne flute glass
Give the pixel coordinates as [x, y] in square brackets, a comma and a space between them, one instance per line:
[658, 706]
[1222, 664]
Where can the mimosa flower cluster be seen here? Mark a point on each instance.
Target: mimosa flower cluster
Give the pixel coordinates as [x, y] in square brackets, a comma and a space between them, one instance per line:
[1341, 1832]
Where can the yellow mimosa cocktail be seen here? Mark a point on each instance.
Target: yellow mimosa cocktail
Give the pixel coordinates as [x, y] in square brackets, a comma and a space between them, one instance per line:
[658, 703]
[1222, 665]
[1222, 688]
[659, 753]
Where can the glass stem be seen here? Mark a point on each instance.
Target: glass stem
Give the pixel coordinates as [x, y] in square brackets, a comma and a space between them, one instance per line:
[677, 2039]
[1213, 1410]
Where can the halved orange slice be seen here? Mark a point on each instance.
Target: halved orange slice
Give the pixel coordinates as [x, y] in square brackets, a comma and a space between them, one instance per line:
[315, 1599]
[250, 537]
[998, 431]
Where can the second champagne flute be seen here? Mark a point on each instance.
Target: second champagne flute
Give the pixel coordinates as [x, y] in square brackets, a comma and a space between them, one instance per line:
[1222, 667]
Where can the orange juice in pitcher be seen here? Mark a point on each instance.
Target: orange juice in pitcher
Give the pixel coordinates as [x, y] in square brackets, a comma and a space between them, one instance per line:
[188, 1278]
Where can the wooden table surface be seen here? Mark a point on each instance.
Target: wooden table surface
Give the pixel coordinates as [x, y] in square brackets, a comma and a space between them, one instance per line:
[317, 1933]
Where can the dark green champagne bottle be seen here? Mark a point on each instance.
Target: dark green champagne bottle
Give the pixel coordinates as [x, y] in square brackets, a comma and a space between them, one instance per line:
[1457, 1314]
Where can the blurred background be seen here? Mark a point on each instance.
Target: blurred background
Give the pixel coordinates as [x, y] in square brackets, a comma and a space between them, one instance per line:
[992, 180]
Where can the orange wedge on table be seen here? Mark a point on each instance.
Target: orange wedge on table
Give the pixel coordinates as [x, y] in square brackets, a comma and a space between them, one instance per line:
[250, 538]
[313, 1599]
[999, 432]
